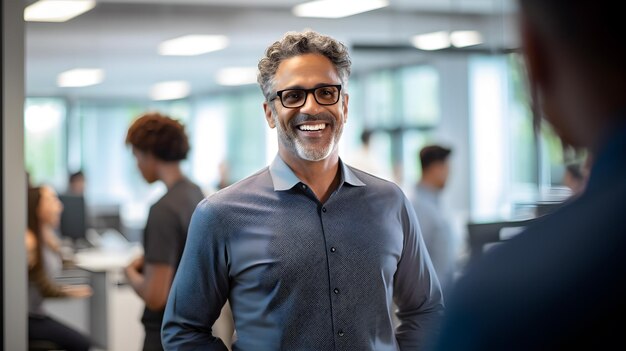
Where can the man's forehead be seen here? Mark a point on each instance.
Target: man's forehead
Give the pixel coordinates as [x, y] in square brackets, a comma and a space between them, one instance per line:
[306, 69]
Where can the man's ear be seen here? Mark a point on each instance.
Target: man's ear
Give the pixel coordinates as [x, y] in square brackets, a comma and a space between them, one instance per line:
[268, 115]
[346, 98]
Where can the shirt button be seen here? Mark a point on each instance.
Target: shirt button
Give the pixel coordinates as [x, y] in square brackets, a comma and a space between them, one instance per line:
[332, 249]
[303, 186]
[336, 291]
[341, 333]
[323, 209]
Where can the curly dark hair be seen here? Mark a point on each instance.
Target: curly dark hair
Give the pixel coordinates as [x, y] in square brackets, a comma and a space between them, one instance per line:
[160, 136]
[300, 43]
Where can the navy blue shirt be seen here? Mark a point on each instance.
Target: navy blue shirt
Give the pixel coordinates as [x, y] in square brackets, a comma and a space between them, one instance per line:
[302, 275]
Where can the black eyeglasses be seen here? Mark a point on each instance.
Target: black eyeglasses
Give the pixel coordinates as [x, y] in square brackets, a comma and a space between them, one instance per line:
[295, 98]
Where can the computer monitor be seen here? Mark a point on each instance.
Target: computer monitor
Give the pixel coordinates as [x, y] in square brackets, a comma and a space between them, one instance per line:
[73, 223]
[483, 236]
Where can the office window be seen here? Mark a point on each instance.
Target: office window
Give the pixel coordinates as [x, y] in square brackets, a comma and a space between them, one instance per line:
[246, 129]
[379, 99]
[523, 153]
[401, 107]
[45, 141]
[490, 148]
[420, 95]
[511, 167]
[209, 140]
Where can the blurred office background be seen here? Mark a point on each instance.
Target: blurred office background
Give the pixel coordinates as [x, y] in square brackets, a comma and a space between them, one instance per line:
[424, 71]
[467, 93]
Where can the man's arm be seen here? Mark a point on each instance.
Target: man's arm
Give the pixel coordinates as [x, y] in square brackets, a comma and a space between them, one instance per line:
[416, 289]
[200, 288]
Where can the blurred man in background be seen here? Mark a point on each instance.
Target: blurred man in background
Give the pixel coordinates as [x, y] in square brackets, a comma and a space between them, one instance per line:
[560, 285]
[436, 229]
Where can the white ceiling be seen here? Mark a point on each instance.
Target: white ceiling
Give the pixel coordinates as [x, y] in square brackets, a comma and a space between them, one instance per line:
[121, 36]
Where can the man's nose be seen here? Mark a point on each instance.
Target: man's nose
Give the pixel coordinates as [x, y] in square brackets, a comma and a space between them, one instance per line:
[310, 105]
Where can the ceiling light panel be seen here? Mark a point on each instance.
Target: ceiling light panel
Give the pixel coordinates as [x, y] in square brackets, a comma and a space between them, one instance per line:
[191, 45]
[464, 38]
[171, 90]
[432, 41]
[80, 77]
[337, 9]
[57, 10]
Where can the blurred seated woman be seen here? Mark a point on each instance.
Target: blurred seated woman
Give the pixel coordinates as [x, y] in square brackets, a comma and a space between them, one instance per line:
[44, 263]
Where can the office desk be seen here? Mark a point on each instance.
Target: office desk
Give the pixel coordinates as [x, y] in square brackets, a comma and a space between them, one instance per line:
[484, 235]
[70, 311]
[114, 309]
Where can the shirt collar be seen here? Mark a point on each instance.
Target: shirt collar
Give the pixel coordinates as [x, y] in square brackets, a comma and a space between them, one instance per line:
[284, 178]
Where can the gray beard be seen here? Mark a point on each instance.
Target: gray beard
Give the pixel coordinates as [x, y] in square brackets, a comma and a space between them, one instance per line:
[291, 142]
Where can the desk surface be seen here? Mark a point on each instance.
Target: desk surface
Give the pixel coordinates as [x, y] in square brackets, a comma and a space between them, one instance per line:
[100, 260]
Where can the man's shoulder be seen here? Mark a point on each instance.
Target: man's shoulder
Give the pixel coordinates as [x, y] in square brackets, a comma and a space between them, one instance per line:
[221, 207]
[182, 195]
[583, 234]
[243, 190]
[565, 266]
[375, 182]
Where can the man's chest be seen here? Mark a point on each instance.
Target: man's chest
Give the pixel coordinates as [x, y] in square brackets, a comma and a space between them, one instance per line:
[307, 243]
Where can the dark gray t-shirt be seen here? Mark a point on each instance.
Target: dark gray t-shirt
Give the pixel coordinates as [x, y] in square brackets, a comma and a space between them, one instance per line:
[166, 232]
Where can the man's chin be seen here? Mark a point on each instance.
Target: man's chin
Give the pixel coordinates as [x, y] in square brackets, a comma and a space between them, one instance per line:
[313, 155]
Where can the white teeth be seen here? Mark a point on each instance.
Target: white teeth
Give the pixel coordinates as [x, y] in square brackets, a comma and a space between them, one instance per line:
[312, 127]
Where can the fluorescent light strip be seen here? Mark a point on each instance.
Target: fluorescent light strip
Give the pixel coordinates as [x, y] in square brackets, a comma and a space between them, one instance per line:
[234, 76]
[80, 77]
[191, 45]
[432, 41]
[464, 38]
[57, 10]
[171, 90]
[337, 9]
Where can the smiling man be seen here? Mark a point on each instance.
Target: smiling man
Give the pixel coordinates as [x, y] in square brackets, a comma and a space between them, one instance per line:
[310, 252]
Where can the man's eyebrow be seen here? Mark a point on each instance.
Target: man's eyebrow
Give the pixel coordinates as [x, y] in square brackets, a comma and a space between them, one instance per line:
[315, 86]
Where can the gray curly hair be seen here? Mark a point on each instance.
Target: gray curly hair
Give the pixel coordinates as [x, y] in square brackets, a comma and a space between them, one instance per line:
[300, 43]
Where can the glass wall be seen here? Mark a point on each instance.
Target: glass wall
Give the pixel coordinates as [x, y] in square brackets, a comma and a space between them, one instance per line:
[511, 166]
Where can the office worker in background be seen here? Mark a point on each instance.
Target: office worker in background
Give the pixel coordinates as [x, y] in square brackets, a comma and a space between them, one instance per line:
[560, 285]
[436, 228]
[159, 144]
[365, 160]
[44, 263]
[310, 252]
[76, 184]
